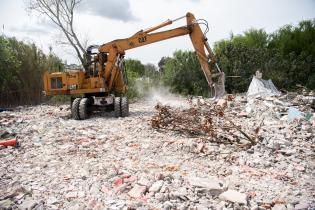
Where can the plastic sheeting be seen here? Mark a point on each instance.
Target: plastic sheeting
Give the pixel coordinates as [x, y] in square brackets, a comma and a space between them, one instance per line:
[262, 88]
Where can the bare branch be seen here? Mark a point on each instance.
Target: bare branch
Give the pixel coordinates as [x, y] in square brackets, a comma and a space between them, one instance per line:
[61, 13]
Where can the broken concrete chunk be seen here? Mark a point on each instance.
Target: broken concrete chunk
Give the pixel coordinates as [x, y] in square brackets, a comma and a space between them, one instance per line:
[28, 204]
[279, 207]
[71, 195]
[95, 188]
[159, 196]
[156, 186]
[167, 205]
[287, 152]
[52, 201]
[137, 191]
[301, 206]
[144, 182]
[222, 103]
[233, 196]
[6, 204]
[212, 184]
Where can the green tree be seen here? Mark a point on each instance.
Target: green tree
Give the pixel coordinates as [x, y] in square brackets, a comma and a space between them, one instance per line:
[161, 64]
[295, 48]
[252, 38]
[242, 56]
[21, 69]
[135, 66]
[183, 74]
[9, 64]
[141, 78]
[286, 56]
[54, 63]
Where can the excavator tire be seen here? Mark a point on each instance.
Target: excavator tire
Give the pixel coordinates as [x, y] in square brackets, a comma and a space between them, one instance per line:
[124, 106]
[75, 109]
[84, 108]
[91, 102]
[117, 107]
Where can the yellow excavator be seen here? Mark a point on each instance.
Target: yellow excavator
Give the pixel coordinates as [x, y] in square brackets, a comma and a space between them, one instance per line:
[105, 75]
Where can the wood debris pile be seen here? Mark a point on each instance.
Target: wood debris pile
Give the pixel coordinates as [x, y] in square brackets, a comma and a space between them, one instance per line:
[207, 121]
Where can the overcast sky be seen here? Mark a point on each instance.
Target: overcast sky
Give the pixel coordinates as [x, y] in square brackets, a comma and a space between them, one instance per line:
[101, 21]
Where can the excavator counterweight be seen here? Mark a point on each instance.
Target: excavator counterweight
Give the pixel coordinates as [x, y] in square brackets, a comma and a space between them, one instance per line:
[104, 75]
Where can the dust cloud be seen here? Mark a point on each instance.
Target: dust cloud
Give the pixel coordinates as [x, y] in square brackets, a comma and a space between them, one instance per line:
[164, 96]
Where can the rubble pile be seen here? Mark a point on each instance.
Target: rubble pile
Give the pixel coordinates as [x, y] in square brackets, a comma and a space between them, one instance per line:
[124, 163]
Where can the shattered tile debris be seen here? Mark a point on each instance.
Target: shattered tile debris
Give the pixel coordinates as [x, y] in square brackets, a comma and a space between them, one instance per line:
[163, 158]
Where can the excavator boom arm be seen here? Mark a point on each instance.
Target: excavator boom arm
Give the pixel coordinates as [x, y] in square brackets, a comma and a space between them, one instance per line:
[115, 49]
[141, 38]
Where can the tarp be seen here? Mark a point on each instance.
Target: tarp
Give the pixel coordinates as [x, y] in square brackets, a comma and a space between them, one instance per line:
[262, 88]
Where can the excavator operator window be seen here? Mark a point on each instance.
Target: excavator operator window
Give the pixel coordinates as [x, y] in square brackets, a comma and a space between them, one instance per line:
[56, 82]
[104, 57]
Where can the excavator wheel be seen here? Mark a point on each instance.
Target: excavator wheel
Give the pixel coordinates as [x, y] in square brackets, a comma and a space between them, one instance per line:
[124, 106]
[84, 108]
[117, 107]
[75, 108]
[91, 102]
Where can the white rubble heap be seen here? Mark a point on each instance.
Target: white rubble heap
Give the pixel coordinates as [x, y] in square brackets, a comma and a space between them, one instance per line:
[109, 163]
